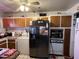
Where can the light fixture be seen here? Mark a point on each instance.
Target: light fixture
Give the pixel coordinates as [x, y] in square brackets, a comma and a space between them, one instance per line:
[25, 5]
[29, 4]
[23, 8]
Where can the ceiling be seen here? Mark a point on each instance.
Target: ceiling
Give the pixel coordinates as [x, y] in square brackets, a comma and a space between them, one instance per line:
[45, 5]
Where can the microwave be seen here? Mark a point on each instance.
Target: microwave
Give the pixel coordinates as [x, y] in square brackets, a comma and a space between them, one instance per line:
[56, 33]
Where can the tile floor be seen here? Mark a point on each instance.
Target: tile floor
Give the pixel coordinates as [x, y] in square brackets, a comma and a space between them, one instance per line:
[27, 57]
[24, 57]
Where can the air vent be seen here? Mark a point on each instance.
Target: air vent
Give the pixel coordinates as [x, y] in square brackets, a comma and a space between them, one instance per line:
[42, 14]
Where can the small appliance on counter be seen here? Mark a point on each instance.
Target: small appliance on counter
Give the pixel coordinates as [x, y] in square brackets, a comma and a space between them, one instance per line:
[2, 35]
[25, 33]
[5, 34]
[8, 33]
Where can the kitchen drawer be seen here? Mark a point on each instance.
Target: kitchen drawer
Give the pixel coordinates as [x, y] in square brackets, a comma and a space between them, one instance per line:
[3, 44]
[13, 41]
[11, 45]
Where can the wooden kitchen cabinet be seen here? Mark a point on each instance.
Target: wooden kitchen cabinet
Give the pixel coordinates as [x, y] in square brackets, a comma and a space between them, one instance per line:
[20, 22]
[5, 22]
[3, 44]
[66, 42]
[44, 18]
[65, 21]
[11, 44]
[8, 22]
[27, 22]
[55, 21]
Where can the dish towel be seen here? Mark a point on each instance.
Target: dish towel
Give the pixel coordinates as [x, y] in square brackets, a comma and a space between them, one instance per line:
[10, 52]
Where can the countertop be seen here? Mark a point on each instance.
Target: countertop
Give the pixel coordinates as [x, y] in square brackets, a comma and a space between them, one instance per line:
[13, 38]
[3, 39]
[7, 38]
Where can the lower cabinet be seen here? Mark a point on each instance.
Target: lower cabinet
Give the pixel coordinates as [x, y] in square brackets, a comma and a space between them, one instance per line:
[11, 44]
[3, 44]
[23, 45]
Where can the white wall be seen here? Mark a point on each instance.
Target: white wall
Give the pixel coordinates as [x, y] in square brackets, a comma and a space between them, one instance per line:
[74, 9]
[76, 40]
[20, 14]
[36, 14]
[1, 22]
[72, 38]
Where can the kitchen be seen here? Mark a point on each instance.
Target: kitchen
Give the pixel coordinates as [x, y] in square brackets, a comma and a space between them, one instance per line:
[57, 26]
[19, 38]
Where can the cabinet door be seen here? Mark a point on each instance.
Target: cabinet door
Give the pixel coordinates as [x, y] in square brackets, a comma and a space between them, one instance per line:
[8, 22]
[55, 21]
[11, 44]
[20, 22]
[66, 21]
[28, 20]
[44, 18]
[3, 44]
[66, 42]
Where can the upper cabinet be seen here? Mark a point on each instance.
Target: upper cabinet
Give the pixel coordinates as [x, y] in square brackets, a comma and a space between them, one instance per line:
[65, 21]
[27, 21]
[8, 22]
[55, 21]
[16, 22]
[61, 21]
[19, 22]
[22, 22]
[44, 18]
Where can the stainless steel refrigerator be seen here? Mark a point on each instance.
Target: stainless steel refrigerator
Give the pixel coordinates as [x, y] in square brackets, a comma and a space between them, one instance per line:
[39, 39]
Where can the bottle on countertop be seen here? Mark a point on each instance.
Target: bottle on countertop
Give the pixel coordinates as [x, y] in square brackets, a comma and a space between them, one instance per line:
[25, 33]
[13, 33]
